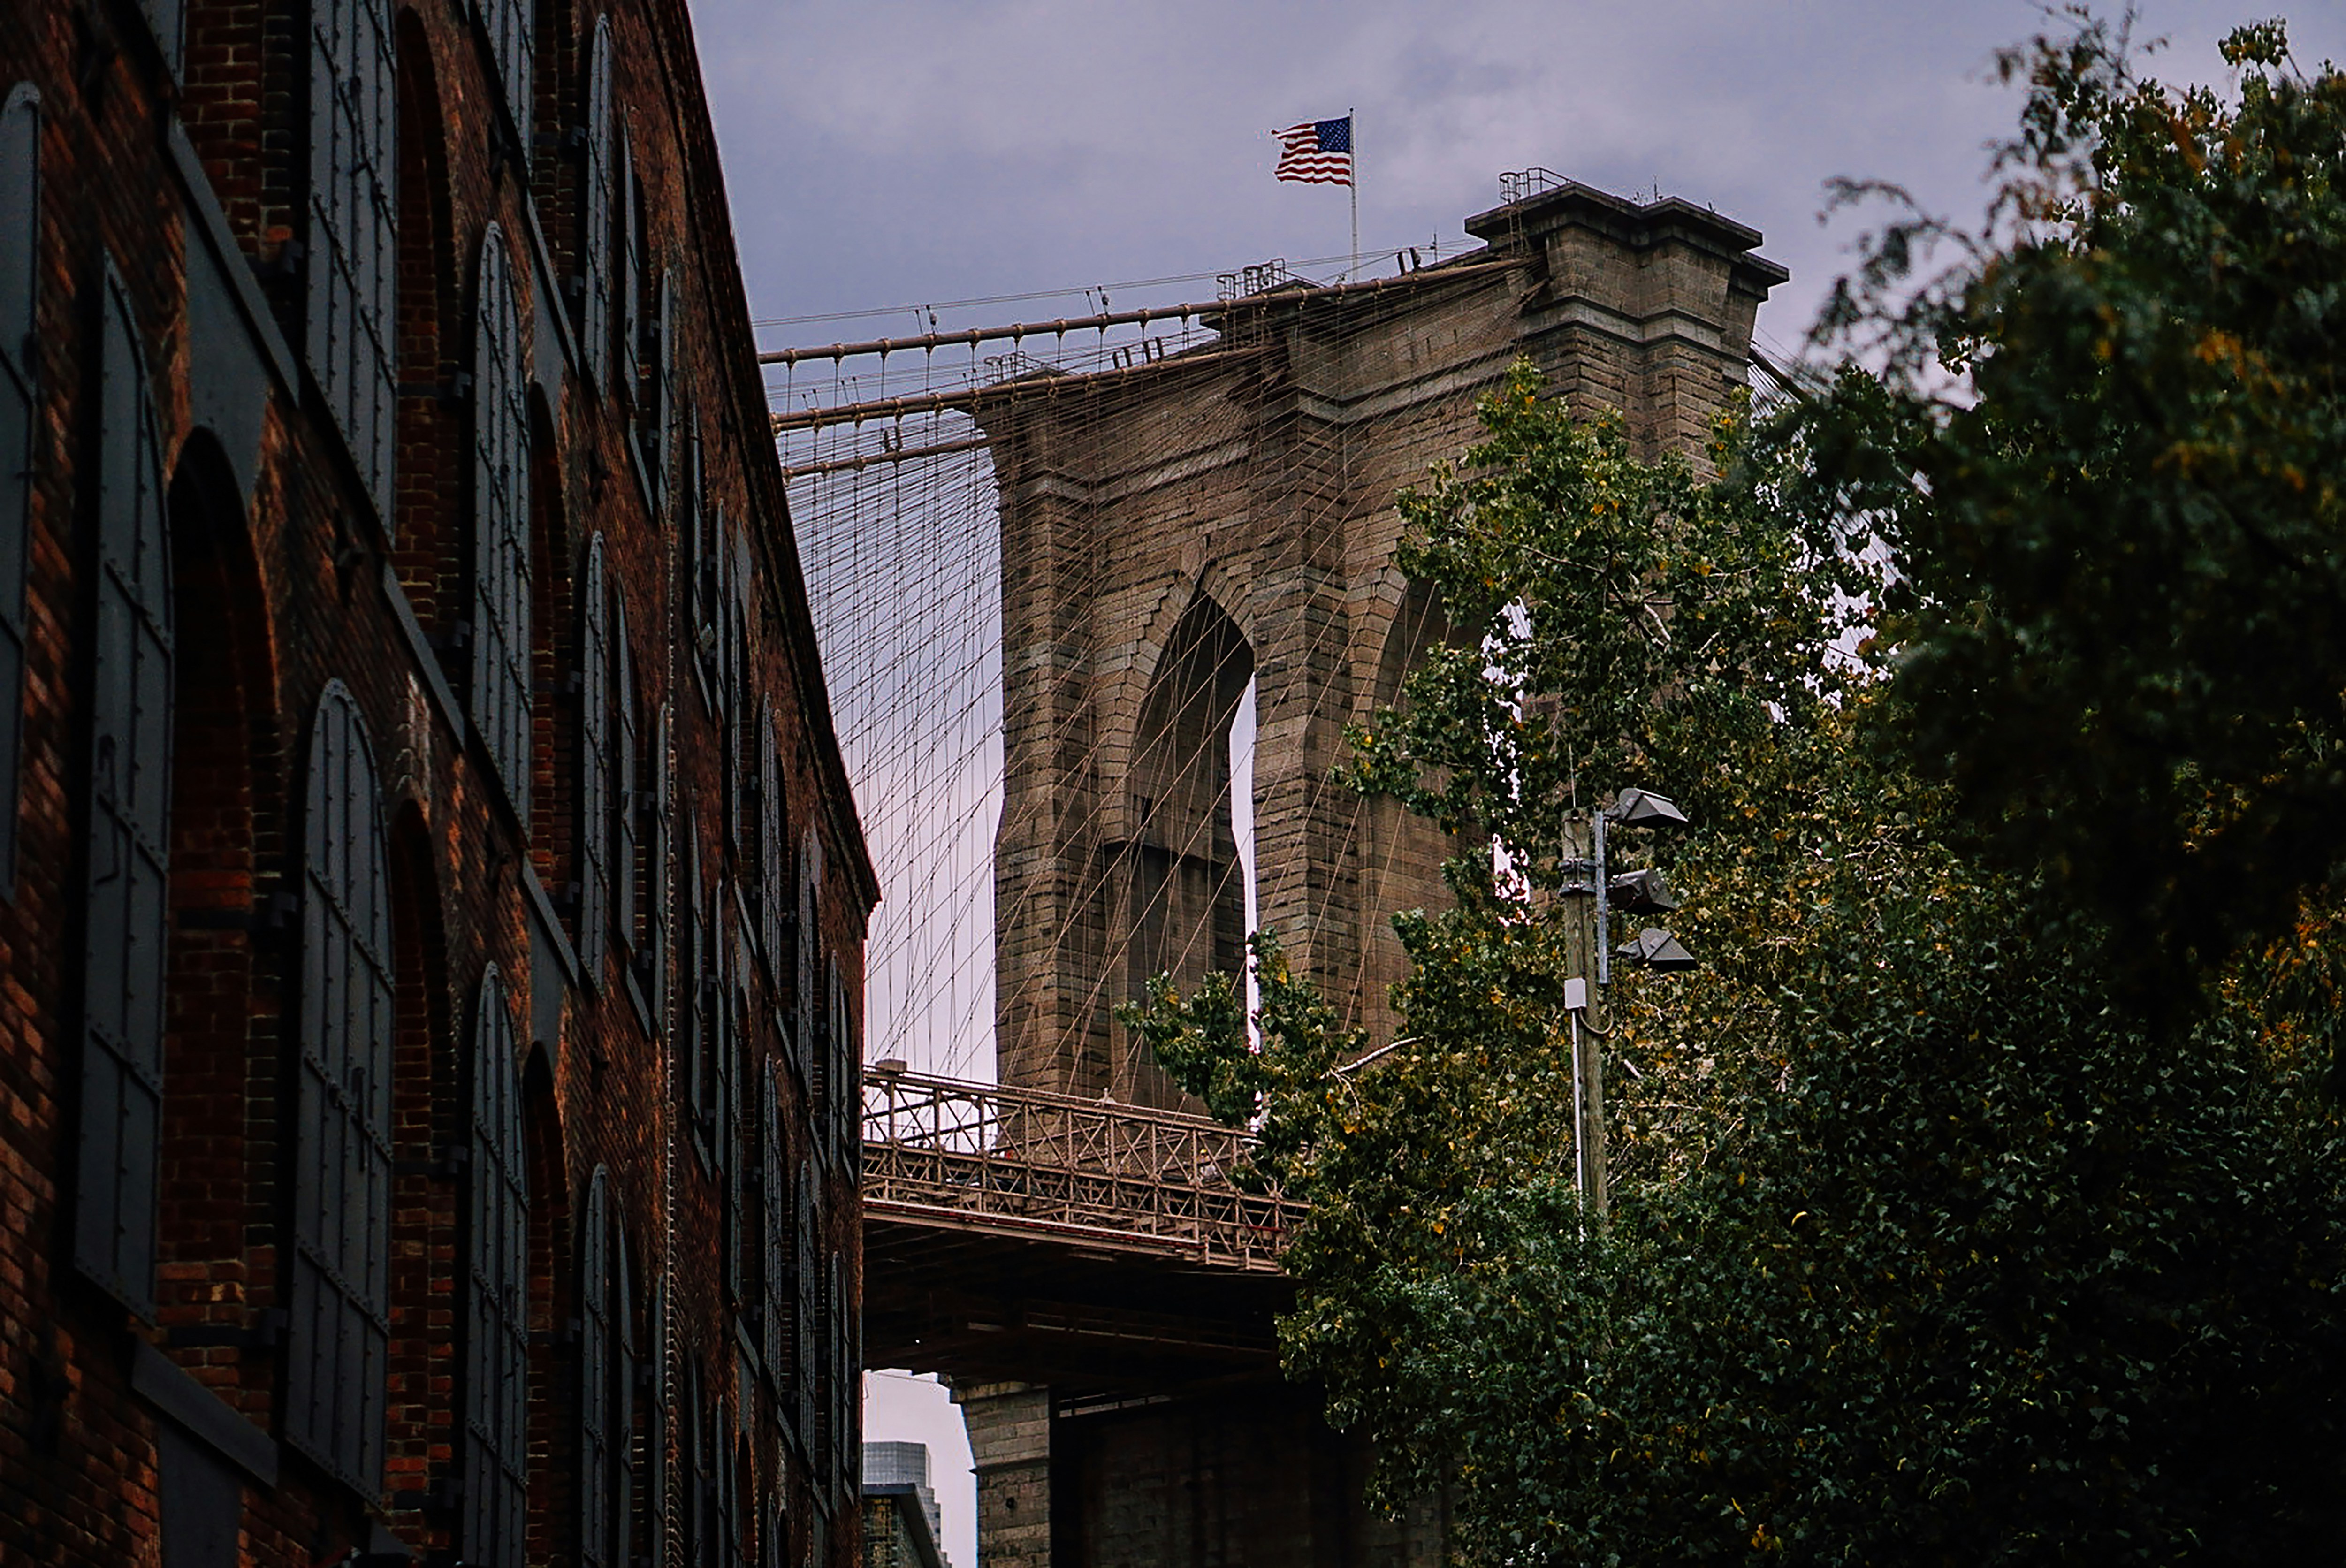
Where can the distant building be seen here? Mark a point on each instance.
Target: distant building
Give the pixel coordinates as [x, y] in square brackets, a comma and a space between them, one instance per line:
[901, 1525]
[431, 908]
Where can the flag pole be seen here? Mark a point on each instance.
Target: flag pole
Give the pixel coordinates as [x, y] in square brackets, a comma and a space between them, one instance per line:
[1352, 126]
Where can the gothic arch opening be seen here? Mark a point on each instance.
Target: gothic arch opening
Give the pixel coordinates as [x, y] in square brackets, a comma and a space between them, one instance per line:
[427, 310]
[225, 794]
[1399, 854]
[1183, 892]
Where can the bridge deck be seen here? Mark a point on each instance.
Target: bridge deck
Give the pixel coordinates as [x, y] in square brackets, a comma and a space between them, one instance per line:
[1017, 1234]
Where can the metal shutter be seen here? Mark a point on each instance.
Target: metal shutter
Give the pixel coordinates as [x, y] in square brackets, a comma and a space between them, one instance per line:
[805, 1000]
[769, 861]
[341, 1118]
[630, 280]
[354, 238]
[774, 1213]
[699, 1084]
[595, 764]
[512, 29]
[655, 404]
[803, 1357]
[599, 1432]
[848, 1117]
[20, 215]
[627, 867]
[627, 1454]
[595, 232]
[496, 1296]
[662, 913]
[129, 802]
[501, 576]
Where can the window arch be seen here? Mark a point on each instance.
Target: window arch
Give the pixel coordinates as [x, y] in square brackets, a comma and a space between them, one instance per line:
[599, 1439]
[627, 1449]
[806, 999]
[596, 769]
[20, 215]
[354, 232]
[627, 868]
[342, 1182]
[653, 960]
[656, 398]
[596, 233]
[847, 1068]
[802, 1317]
[124, 906]
[774, 1213]
[501, 524]
[695, 961]
[826, 1424]
[773, 898]
[496, 1437]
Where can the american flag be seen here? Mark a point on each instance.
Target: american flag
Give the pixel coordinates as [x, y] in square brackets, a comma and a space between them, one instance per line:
[1317, 152]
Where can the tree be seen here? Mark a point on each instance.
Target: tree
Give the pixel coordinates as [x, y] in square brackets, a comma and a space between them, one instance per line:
[2107, 449]
[1923, 1247]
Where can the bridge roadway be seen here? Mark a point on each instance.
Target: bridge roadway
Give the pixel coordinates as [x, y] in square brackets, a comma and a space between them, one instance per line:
[1012, 1235]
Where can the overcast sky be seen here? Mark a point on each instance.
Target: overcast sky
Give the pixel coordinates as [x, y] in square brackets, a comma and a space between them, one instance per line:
[897, 152]
[885, 153]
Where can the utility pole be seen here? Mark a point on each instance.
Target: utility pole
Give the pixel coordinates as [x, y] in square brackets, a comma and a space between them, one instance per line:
[1591, 894]
[1583, 883]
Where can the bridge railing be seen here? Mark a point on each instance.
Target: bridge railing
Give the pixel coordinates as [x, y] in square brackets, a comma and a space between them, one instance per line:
[1034, 1159]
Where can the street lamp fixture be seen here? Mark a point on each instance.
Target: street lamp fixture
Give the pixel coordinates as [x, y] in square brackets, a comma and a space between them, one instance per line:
[1635, 892]
[1655, 948]
[1640, 892]
[1632, 893]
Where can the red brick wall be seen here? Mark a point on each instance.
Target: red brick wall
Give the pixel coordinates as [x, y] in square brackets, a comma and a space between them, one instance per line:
[278, 592]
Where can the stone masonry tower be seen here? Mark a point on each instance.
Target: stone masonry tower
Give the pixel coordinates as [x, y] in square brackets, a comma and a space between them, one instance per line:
[1176, 529]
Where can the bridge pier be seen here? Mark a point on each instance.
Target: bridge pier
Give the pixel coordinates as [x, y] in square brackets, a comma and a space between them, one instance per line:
[1010, 1442]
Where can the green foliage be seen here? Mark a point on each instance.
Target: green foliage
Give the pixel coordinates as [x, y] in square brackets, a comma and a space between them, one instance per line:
[1613, 621]
[1923, 1248]
[2108, 450]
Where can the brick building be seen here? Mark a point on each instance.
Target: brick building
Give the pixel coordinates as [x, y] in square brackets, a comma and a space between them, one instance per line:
[431, 903]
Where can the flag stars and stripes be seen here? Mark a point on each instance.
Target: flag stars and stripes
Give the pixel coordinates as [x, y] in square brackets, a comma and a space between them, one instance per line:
[1317, 152]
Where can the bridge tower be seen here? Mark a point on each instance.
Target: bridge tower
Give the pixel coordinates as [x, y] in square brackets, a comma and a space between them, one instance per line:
[1173, 530]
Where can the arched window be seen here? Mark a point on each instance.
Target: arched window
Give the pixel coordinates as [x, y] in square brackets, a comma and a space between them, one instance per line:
[806, 999]
[597, 234]
[736, 1153]
[694, 963]
[652, 961]
[501, 574]
[495, 1437]
[599, 1439]
[826, 1369]
[774, 1213]
[699, 1469]
[702, 566]
[124, 906]
[511, 26]
[803, 1326]
[627, 867]
[628, 1448]
[20, 273]
[847, 1070]
[594, 769]
[655, 401]
[739, 733]
[628, 302]
[354, 232]
[342, 1121]
[770, 857]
